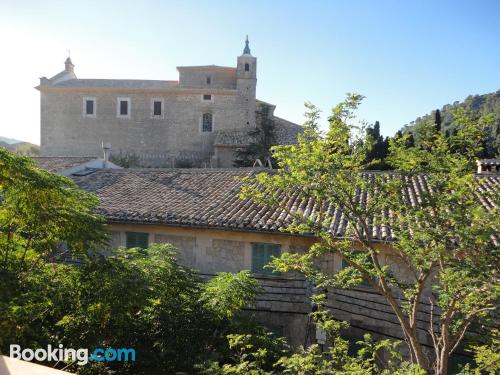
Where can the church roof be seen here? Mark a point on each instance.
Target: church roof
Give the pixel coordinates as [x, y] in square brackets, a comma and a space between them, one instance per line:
[209, 198]
[118, 83]
[207, 67]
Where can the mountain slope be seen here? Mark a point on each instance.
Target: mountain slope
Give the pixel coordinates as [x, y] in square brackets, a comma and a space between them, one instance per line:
[20, 147]
[479, 104]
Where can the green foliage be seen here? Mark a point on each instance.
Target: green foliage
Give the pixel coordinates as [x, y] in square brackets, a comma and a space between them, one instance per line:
[21, 148]
[228, 293]
[378, 148]
[255, 354]
[477, 106]
[39, 211]
[444, 240]
[264, 354]
[262, 139]
[135, 298]
[486, 358]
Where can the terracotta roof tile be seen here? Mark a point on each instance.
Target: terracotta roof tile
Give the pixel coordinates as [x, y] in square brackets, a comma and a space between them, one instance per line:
[60, 163]
[210, 198]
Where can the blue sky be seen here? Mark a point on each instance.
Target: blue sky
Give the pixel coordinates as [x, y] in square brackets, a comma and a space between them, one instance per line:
[406, 57]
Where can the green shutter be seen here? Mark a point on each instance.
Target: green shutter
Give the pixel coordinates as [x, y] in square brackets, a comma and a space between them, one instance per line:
[262, 254]
[137, 239]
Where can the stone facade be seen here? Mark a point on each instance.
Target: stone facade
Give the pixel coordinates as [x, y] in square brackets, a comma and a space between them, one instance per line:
[174, 136]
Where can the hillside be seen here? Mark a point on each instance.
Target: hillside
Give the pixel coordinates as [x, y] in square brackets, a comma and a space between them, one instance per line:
[20, 147]
[479, 104]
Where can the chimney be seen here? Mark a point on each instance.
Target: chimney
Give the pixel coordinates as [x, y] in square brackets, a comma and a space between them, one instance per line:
[106, 147]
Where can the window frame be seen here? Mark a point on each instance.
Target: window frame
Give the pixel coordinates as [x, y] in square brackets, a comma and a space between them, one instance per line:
[162, 101]
[212, 123]
[246, 67]
[84, 109]
[270, 249]
[118, 106]
[208, 80]
[211, 100]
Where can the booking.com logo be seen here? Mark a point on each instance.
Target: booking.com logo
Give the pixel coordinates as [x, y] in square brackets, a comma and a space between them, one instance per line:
[80, 356]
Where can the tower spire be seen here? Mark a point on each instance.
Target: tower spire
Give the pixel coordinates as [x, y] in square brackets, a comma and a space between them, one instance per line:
[246, 51]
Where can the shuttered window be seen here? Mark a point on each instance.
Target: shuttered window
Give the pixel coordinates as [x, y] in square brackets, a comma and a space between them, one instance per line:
[137, 239]
[262, 254]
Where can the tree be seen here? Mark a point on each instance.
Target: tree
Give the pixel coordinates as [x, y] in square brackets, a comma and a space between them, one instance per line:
[437, 120]
[41, 213]
[444, 241]
[43, 217]
[378, 148]
[262, 138]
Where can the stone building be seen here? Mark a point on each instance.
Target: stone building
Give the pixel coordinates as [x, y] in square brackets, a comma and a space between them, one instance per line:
[198, 120]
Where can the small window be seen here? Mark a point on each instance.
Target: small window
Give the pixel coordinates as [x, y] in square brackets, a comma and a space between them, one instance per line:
[209, 80]
[207, 97]
[137, 239]
[262, 254]
[157, 108]
[247, 67]
[207, 125]
[89, 107]
[123, 109]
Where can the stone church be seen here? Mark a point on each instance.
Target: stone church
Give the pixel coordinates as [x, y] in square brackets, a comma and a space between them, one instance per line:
[198, 120]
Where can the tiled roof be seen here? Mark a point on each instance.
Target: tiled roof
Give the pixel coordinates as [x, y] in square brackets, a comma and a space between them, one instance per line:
[489, 161]
[60, 163]
[285, 133]
[118, 83]
[210, 198]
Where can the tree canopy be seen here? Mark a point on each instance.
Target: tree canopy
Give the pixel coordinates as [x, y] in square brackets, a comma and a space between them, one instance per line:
[444, 241]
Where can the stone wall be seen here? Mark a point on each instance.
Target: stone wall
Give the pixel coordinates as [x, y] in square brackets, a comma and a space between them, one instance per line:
[197, 77]
[155, 141]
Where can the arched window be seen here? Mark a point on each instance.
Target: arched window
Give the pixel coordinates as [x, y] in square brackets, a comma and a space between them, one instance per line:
[206, 124]
[247, 67]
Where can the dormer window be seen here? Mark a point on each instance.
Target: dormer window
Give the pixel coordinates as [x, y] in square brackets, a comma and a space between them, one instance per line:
[207, 122]
[89, 107]
[247, 67]
[209, 80]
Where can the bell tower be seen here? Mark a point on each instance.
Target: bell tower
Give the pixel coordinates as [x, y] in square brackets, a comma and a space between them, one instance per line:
[246, 82]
